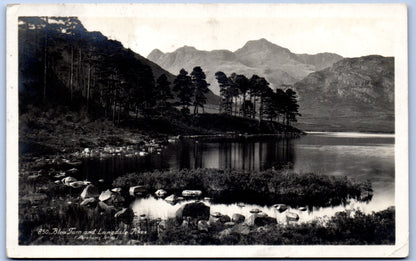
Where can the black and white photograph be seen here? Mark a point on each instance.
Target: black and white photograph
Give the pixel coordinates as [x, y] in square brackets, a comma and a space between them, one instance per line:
[229, 130]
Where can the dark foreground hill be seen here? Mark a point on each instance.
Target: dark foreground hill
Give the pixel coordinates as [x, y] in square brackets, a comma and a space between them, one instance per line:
[61, 62]
[355, 94]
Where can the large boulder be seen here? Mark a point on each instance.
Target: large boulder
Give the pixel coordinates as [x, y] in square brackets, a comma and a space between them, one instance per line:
[238, 218]
[125, 215]
[260, 220]
[90, 191]
[197, 210]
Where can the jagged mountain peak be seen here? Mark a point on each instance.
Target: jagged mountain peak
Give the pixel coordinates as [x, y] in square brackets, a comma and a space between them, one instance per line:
[155, 54]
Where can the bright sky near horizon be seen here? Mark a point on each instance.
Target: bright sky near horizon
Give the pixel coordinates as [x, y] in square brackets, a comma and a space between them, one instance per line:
[347, 35]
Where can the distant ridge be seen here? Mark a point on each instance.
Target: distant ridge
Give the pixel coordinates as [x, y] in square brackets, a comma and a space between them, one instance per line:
[277, 64]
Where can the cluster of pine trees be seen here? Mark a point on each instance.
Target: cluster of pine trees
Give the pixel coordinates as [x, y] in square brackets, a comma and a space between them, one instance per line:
[254, 98]
[61, 62]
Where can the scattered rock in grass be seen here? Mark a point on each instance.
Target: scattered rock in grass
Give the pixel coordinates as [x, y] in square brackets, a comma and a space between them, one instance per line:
[33, 177]
[90, 191]
[161, 193]
[105, 195]
[238, 218]
[125, 215]
[68, 180]
[241, 228]
[72, 171]
[77, 184]
[60, 175]
[225, 233]
[106, 208]
[203, 225]
[35, 198]
[88, 202]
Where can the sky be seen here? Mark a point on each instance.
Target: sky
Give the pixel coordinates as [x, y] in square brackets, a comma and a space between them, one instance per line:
[347, 34]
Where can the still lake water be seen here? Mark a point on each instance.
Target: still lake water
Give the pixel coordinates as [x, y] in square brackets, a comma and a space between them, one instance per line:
[357, 155]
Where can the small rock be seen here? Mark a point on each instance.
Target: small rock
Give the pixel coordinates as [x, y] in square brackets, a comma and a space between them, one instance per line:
[290, 216]
[241, 204]
[224, 219]
[77, 184]
[216, 214]
[242, 229]
[137, 191]
[116, 190]
[72, 171]
[105, 195]
[238, 218]
[60, 175]
[88, 202]
[101, 180]
[225, 233]
[302, 208]
[171, 199]
[33, 177]
[161, 193]
[203, 225]
[280, 207]
[35, 198]
[255, 211]
[191, 193]
[229, 224]
[68, 180]
[106, 208]
[90, 191]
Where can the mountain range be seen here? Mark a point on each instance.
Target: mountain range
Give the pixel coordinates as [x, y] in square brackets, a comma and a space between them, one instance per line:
[335, 93]
[277, 64]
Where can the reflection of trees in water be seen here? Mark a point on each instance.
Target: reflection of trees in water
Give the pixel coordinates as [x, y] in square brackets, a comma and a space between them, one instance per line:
[255, 155]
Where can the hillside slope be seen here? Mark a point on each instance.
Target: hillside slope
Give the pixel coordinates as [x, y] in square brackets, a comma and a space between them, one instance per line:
[355, 94]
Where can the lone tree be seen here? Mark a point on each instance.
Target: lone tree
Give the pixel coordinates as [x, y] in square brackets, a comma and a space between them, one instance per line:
[184, 88]
[200, 87]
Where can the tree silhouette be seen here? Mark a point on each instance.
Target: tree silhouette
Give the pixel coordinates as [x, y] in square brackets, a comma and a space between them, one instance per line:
[200, 87]
[184, 88]
[163, 93]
